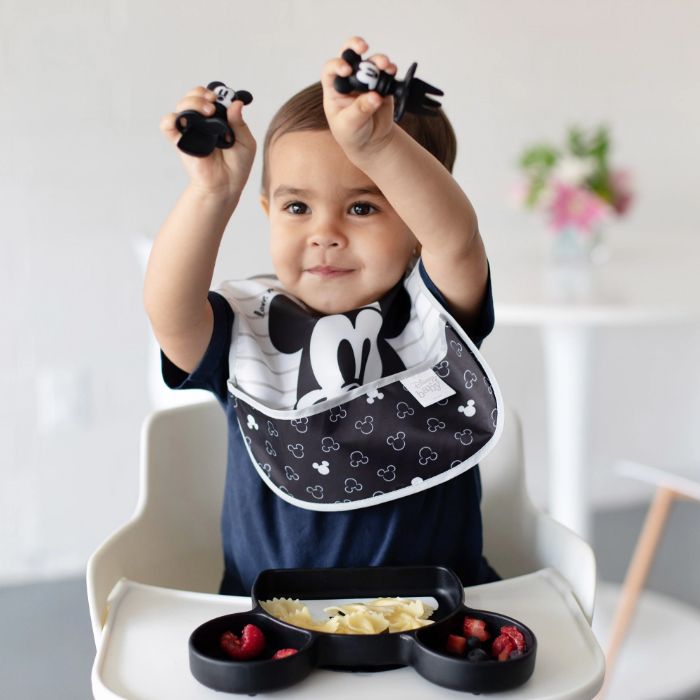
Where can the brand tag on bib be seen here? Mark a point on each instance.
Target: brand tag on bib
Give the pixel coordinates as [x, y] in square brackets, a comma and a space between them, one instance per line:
[427, 388]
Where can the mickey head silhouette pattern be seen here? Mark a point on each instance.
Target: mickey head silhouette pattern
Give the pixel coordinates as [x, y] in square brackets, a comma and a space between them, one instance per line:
[361, 450]
[469, 410]
[322, 468]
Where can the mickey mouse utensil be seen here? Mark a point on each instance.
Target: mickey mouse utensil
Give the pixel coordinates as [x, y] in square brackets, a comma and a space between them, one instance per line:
[200, 134]
[410, 94]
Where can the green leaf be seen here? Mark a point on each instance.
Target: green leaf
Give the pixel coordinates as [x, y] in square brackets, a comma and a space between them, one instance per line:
[539, 157]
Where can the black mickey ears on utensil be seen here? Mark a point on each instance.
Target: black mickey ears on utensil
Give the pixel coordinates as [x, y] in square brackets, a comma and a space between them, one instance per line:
[410, 94]
[200, 134]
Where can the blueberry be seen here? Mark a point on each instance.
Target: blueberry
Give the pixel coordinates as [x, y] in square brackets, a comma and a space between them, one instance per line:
[477, 655]
[473, 642]
[515, 654]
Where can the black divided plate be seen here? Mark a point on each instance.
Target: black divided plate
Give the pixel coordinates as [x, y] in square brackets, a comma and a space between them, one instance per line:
[423, 648]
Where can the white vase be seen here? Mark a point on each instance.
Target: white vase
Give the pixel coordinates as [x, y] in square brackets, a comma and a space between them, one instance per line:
[577, 247]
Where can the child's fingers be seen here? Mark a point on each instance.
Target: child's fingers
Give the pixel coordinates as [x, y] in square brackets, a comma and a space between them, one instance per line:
[197, 101]
[168, 128]
[243, 134]
[337, 66]
[357, 114]
[383, 63]
[359, 45]
[201, 91]
[198, 104]
[332, 68]
[356, 43]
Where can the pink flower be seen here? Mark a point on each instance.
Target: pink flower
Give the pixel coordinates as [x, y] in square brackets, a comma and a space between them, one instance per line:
[517, 196]
[620, 181]
[575, 207]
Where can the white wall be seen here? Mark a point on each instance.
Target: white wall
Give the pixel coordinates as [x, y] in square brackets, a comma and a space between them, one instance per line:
[85, 174]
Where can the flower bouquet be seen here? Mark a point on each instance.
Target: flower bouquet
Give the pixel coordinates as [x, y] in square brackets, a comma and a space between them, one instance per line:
[576, 188]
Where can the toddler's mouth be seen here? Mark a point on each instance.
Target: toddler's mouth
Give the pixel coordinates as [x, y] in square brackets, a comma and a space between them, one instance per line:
[329, 271]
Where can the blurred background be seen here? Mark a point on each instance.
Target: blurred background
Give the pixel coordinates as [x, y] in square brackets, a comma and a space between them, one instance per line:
[86, 180]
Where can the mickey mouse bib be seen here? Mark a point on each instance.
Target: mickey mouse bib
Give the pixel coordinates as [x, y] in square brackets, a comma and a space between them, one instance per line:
[350, 410]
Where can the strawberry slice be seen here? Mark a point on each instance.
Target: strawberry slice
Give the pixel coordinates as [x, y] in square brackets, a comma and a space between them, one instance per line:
[473, 627]
[282, 653]
[502, 646]
[516, 636]
[456, 644]
[249, 645]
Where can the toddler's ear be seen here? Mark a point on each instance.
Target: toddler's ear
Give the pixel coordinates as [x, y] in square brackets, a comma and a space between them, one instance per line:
[265, 204]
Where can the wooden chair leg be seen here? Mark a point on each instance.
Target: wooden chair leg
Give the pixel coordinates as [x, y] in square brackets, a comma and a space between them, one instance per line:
[636, 576]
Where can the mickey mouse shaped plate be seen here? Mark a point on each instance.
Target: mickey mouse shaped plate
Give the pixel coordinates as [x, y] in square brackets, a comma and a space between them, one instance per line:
[462, 649]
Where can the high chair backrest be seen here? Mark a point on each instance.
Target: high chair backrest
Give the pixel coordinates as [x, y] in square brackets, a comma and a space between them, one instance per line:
[518, 537]
[173, 539]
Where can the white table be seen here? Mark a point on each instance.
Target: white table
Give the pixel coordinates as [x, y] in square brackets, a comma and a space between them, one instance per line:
[645, 282]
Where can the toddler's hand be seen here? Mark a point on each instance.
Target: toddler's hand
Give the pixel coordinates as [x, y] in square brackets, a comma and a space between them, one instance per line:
[225, 171]
[362, 123]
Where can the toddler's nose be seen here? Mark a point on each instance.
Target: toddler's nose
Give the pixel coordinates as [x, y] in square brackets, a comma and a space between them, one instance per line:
[328, 237]
[324, 242]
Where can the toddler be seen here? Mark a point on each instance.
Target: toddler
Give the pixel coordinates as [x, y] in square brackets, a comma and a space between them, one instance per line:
[357, 402]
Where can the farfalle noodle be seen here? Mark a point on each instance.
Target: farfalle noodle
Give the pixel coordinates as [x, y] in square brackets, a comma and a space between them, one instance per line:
[376, 616]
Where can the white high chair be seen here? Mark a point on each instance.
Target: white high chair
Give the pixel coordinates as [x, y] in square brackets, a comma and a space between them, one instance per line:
[154, 580]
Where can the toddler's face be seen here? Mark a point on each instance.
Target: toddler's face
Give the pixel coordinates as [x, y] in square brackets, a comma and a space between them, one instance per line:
[336, 242]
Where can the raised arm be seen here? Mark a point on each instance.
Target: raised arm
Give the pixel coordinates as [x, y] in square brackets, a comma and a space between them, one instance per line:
[416, 184]
[182, 260]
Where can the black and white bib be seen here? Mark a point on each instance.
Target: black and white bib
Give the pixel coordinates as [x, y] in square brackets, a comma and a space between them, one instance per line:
[349, 410]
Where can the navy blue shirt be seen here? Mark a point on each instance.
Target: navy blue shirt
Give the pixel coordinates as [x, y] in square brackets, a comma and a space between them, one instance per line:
[439, 526]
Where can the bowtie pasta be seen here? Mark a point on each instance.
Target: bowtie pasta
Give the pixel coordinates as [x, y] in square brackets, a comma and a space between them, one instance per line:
[379, 615]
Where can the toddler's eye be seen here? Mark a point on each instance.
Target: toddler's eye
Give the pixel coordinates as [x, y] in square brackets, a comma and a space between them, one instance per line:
[362, 208]
[296, 208]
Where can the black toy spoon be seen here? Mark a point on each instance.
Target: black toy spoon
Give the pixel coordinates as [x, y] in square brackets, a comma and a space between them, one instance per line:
[410, 94]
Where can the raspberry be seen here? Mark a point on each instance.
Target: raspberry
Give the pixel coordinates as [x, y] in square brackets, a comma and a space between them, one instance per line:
[515, 635]
[502, 646]
[473, 627]
[249, 645]
[282, 653]
[456, 644]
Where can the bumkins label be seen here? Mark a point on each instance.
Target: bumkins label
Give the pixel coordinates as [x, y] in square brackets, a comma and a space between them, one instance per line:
[427, 388]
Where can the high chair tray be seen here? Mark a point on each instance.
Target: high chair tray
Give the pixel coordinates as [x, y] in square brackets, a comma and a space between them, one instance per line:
[143, 652]
[425, 648]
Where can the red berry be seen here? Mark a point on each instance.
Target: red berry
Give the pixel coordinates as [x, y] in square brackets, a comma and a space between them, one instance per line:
[249, 645]
[456, 644]
[502, 647]
[515, 635]
[282, 653]
[473, 627]
[505, 654]
[499, 643]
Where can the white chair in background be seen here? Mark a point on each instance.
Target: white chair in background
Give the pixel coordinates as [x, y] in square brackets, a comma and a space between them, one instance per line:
[153, 581]
[670, 487]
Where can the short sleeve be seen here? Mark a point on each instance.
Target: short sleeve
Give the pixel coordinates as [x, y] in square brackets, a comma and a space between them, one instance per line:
[212, 372]
[484, 322]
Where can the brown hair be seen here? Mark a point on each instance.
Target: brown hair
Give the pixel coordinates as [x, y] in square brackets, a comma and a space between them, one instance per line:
[304, 112]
